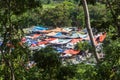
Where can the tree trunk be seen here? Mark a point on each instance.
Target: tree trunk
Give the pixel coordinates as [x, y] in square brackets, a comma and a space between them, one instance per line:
[88, 26]
[12, 75]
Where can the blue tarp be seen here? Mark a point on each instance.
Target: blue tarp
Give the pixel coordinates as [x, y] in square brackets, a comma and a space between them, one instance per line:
[59, 50]
[34, 42]
[58, 34]
[78, 35]
[82, 36]
[1, 43]
[39, 28]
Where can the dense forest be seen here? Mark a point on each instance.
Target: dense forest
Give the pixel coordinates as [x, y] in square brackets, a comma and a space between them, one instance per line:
[17, 16]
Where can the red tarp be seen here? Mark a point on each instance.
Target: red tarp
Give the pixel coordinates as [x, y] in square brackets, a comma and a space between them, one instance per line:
[35, 36]
[42, 42]
[33, 45]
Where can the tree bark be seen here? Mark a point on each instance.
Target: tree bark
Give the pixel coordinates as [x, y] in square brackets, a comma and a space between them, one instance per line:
[88, 26]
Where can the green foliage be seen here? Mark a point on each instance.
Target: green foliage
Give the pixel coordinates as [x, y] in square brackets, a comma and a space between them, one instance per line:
[14, 56]
[47, 6]
[58, 16]
[19, 14]
[63, 14]
[50, 65]
[86, 72]
[66, 73]
[18, 7]
[99, 16]
[45, 57]
[77, 17]
[83, 46]
[113, 7]
[73, 15]
[110, 66]
[11, 12]
[17, 58]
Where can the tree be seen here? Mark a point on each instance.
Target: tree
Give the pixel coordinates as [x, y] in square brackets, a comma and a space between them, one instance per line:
[88, 26]
[110, 64]
[50, 66]
[10, 33]
[58, 16]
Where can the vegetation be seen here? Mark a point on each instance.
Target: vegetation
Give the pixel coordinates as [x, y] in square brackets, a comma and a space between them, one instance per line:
[17, 15]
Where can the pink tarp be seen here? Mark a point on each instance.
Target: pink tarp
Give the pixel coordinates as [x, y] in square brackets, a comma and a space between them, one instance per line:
[71, 51]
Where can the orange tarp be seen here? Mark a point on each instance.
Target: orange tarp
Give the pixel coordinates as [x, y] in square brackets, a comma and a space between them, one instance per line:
[45, 31]
[57, 30]
[102, 37]
[76, 40]
[71, 51]
[51, 34]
